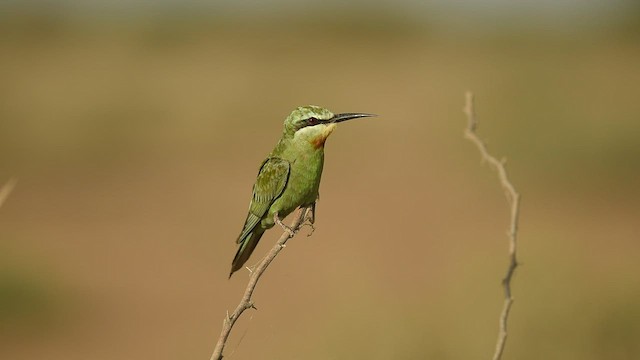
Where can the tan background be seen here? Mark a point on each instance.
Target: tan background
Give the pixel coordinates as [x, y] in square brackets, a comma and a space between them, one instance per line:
[136, 140]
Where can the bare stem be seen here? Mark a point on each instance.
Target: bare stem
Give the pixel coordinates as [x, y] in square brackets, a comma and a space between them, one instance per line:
[513, 198]
[246, 302]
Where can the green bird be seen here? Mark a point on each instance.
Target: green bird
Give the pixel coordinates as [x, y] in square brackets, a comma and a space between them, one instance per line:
[290, 176]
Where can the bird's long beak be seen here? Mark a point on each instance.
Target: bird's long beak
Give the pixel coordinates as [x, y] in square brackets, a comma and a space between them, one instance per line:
[348, 116]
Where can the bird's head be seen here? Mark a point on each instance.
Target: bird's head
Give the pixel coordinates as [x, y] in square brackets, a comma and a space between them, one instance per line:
[314, 124]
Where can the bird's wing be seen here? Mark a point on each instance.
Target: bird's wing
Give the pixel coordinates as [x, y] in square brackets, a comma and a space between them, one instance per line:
[271, 181]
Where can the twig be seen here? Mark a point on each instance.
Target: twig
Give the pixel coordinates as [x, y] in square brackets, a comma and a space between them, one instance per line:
[513, 198]
[6, 189]
[247, 302]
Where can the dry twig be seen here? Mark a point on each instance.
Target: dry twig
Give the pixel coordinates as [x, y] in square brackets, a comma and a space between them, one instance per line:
[6, 189]
[514, 201]
[247, 302]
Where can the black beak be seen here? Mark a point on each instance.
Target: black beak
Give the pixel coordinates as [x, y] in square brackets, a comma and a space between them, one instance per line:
[348, 116]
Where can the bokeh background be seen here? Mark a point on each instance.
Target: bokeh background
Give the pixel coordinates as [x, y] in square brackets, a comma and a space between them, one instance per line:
[136, 130]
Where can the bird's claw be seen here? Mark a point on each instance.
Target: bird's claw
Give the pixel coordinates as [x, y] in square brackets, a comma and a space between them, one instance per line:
[313, 228]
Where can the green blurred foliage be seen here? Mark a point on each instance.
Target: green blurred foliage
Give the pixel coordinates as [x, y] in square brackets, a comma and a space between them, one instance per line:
[24, 302]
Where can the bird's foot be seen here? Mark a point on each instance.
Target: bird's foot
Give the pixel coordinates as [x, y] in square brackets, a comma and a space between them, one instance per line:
[313, 228]
[310, 214]
[310, 218]
[287, 229]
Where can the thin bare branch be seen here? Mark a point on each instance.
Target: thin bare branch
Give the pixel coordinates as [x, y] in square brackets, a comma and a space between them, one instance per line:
[246, 302]
[6, 189]
[513, 198]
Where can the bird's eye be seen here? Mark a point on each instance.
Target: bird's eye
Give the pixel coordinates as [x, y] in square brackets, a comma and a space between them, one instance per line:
[312, 121]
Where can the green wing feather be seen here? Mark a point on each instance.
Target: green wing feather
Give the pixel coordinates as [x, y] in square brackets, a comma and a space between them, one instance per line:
[270, 184]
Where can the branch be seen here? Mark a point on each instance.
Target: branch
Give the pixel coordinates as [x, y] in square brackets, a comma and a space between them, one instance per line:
[6, 189]
[513, 198]
[247, 302]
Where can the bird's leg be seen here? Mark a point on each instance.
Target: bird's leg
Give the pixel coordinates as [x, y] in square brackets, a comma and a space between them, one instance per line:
[277, 220]
[310, 217]
[311, 213]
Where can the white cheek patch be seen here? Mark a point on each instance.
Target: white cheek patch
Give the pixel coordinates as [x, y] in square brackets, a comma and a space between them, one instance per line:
[310, 131]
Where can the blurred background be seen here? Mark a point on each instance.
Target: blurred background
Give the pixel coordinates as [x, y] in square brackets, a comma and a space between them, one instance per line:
[136, 130]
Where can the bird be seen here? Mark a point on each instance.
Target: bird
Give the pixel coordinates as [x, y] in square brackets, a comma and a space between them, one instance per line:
[289, 178]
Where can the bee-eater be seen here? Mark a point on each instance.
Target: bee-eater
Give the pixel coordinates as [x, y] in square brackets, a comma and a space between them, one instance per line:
[290, 176]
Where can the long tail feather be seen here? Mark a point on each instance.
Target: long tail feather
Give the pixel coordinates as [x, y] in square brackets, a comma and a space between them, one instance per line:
[247, 245]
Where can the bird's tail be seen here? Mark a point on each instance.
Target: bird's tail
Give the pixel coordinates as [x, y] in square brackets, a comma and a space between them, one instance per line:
[247, 245]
